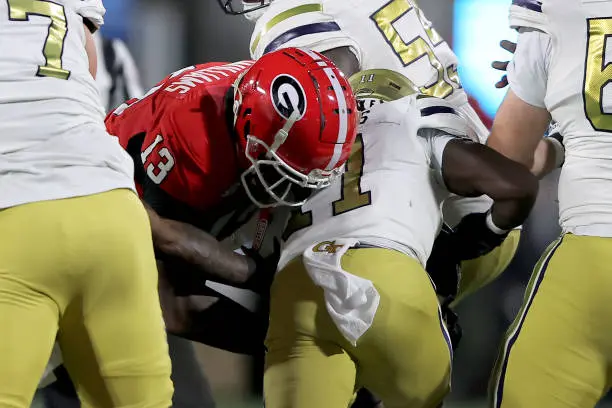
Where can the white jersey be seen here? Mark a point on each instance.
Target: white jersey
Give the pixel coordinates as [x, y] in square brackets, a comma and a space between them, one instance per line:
[53, 142]
[550, 70]
[383, 34]
[391, 193]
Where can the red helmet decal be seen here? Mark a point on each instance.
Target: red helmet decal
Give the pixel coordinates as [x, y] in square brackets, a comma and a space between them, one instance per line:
[287, 96]
[296, 122]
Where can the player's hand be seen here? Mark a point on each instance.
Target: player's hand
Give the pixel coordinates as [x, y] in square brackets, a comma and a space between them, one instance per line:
[265, 270]
[503, 65]
[444, 264]
[473, 238]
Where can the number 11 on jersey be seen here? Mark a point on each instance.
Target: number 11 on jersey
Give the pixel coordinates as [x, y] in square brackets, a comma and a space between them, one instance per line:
[351, 195]
[22, 10]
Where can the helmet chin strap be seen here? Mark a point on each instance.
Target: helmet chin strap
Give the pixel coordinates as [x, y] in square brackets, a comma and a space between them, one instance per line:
[281, 136]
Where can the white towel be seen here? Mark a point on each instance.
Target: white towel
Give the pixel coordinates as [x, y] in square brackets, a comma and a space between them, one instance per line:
[351, 301]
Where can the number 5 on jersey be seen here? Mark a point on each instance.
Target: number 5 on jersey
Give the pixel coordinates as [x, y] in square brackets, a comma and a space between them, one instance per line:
[159, 164]
[22, 10]
[413, 50]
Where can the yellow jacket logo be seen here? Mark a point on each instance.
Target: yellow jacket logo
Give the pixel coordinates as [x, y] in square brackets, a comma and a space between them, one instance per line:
[327, 246]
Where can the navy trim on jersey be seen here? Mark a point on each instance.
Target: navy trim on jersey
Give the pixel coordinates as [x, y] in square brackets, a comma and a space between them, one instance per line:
[433, 110]
[533, 5]
[307, 29]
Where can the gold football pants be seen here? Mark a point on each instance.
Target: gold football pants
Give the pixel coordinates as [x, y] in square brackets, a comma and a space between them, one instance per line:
[478, 273]
[82, 269]
[404, 358]
[558, 351]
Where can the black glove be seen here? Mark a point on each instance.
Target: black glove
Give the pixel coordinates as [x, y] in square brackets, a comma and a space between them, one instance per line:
[452, 323]
[473, 238]
[444, 264]
[265, 269]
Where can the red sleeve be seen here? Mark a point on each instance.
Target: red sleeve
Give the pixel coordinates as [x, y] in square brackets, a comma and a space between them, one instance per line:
[136, 115]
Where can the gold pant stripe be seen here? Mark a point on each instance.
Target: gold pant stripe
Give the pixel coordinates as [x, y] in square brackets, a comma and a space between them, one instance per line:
[513, 332]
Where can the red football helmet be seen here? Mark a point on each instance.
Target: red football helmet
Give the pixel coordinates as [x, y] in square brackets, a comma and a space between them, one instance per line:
[296, 118]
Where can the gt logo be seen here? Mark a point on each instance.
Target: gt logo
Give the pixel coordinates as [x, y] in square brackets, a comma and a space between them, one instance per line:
[327, 246]
[288, 96]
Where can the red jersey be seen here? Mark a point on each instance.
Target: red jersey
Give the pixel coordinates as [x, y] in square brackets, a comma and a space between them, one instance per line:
[179, 138]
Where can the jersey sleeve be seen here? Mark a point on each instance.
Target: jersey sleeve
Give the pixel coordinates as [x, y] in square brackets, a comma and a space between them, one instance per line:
[528, 71]
[295, 23]
[436, 113]
[92, 10]
[434, 142]
[527, 13]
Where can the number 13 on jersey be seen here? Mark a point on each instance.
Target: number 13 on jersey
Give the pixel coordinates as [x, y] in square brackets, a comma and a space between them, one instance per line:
[53, 48]
[159, 165]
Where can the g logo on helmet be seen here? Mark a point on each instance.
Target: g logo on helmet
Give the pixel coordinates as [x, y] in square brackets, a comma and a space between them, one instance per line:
[287, 96]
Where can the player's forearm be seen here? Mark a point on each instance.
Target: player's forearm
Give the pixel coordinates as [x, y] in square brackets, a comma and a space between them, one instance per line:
[174, 239]
[513, 197]
[471, 169]
[549, 155]
[509, 214]
[518, 129]
[222, 324]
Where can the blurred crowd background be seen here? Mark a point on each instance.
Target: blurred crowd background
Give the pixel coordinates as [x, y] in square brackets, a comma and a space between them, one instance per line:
[165, 35]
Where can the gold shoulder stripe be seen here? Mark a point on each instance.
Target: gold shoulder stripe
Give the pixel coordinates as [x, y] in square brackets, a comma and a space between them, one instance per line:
[279, 18]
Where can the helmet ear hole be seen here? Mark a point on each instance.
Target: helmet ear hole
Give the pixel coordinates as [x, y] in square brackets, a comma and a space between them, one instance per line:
[247, 128]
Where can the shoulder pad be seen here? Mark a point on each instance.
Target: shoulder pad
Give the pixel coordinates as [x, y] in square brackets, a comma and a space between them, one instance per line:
[439, 114]
[92, 10]
[527, 13]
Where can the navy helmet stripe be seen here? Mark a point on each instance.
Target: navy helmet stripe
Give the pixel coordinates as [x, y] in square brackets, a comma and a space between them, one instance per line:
[296, 32]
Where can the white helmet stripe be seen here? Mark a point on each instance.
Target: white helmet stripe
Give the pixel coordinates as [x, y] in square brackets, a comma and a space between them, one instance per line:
[342, 111]
[343, 118]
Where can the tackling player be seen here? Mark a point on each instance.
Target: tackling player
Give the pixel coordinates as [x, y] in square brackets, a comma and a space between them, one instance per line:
[557, 352]
[352, 300]
[211, 145]
[396, 35]
[76, 260]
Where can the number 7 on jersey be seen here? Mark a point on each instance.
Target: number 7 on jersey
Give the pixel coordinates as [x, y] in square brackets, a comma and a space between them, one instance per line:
[53, 48]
